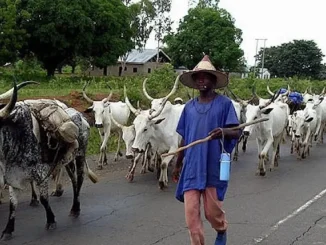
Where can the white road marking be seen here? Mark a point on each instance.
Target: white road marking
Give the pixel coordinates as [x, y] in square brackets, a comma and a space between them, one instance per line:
[296, 212]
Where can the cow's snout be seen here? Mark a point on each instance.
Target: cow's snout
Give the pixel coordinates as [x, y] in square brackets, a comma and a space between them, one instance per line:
[136, 150]
[246, 133]
[297, 136]
[98, 125]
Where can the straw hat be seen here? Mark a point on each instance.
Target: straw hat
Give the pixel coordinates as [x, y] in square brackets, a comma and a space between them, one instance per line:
[205, 65]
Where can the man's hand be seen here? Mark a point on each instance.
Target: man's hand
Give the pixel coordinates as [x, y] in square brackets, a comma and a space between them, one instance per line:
[216, 133]
[228, 133]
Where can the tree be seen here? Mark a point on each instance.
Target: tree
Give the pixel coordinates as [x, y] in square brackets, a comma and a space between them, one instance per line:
[142, 14]
[58, 30]
[300, 58]
[112, 36]
[208, 4]
[162, 21]
[210, 31]
[12, 37]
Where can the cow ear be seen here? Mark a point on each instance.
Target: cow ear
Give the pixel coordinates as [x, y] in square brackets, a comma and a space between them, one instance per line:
[309, 119]
[267, 111]
[89, 109]
[158, 121]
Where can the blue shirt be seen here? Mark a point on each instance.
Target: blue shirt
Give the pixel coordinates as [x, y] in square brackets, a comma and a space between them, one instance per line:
[201, 166]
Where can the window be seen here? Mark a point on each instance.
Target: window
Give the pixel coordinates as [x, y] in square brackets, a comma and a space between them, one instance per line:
[135, 70]
[149, 70]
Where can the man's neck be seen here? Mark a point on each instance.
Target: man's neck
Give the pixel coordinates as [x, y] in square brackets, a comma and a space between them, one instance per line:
[206, 96]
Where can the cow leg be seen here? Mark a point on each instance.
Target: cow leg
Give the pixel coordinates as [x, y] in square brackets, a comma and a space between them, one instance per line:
[10, 227]
[163, 181]
[317, 129]
[236, 151]
[131, 173]
[44, 199]
[75, 209]
[58, 191]
[34, 202]
[103, 157]
[263, 155]
[1, 196]
[158, 167]
[244, 145]
[275, 153]
[145, 161]
[118, 153]
[321, 133]
[259, 146]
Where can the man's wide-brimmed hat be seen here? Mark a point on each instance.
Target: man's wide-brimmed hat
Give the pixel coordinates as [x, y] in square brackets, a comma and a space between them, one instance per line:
[205, 65]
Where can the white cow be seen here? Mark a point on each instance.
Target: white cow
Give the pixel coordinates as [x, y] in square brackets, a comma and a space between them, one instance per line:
[305, 122]
[159, 129]
[102, 113]
[268, 133]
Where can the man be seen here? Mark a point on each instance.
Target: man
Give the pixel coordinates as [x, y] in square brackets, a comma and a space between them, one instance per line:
[208, 114]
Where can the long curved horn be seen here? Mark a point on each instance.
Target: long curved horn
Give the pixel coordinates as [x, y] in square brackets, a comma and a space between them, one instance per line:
[138, 105]
[236, 98]
[85, 96]
[269, 91]
[253, 91]
[306, 91]
[115, 122]
[145, 91]
[4, 112]
[323, 91]
[310, 90]
[107, 98]
[133, 109]
[174, 89]
[9, 93]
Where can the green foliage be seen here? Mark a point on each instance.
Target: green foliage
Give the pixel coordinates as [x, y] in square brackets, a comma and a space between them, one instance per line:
[210, 31]
[300, 58]
[208, 4]
[12, 37]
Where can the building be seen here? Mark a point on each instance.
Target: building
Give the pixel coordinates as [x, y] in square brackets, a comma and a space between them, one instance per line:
[137, 62]
[265, 74]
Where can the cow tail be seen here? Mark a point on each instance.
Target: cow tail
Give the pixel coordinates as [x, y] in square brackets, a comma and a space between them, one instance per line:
[91, 175]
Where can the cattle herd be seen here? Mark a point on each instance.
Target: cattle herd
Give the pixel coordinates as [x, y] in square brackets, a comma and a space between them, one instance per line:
[28, 155]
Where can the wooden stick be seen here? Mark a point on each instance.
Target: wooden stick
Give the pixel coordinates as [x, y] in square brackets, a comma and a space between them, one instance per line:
[208, 138]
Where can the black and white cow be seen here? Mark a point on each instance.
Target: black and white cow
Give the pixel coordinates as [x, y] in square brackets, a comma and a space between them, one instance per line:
[25, 157]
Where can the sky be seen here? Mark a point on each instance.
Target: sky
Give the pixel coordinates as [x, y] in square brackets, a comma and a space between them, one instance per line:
[278, 21]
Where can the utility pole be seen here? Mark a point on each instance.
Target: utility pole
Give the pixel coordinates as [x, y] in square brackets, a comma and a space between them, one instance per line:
[263, 58]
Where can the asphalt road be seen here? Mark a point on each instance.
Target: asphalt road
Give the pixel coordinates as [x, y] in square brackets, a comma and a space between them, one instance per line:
[286, 207]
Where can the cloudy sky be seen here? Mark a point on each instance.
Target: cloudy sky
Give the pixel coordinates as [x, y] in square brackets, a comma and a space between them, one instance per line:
[277, 20]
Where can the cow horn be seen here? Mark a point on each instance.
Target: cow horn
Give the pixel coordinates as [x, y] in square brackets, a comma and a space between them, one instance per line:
[253, 91]
[8, 94]
[115, 122]
[310, 90]
[85, 96]
[174, 89]
[107, 98]
[145, 91]
[133, 109]
[138, 105]
[10, 106]
[269, 91]
[323, 91]
[306, 91]
[236, 98]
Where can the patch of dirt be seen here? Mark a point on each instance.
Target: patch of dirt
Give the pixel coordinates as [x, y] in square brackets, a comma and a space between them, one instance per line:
[75, 100]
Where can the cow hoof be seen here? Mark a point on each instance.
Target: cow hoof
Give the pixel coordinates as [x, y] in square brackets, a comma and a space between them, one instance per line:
[57, 193]
[99, 167]
[161, 185]
[262, 173]
[6, 236]
[34, 203]
[51, 226]
[130, 177]
[120, 154]
[74, 214]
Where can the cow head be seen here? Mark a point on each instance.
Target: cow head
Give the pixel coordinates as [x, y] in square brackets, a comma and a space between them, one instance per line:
[146, 123]
[300, 121]
[156, 104]
[128, 136]
[98, 107]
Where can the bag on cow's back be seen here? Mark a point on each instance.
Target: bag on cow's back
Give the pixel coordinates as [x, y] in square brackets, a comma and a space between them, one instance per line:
[55, 120]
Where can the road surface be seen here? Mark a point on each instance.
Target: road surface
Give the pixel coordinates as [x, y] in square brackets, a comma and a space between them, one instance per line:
[287, 207]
